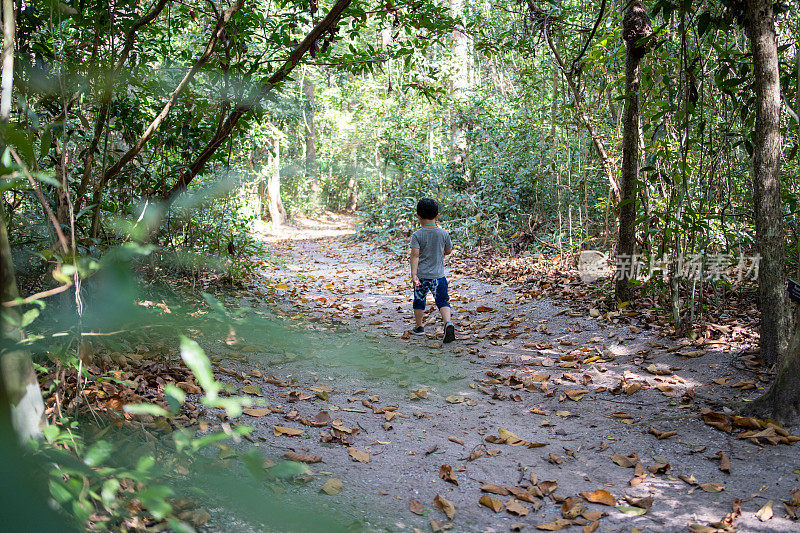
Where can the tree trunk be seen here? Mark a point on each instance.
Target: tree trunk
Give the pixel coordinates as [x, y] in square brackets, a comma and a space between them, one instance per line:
[276, 212]
[636, 30]
[19, 377]
[760, 25]
[9, 40]
[312, 172]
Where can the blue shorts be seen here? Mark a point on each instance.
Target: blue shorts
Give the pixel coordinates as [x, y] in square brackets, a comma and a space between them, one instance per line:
[436, 286]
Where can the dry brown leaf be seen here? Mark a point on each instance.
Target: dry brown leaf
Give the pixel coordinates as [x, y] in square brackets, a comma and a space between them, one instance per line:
[593, 515]
[282, 430]
[257, 412]
[558, 525]
[572, 508]
[332, 486]
[547, 487]
[601, 496]
[625, 461]
[444, 505]
[358, 455]
[660, 435]
[659, 468]
[456, 440]
[643, 503]
[531, 495]
[415, 507]
[492, 503]
[302, 457]
[513, 506]
[576, 395]
[447, 474]
[712, 487]
[591, 527]
[639, 474]
[724, 462]
[494, 489]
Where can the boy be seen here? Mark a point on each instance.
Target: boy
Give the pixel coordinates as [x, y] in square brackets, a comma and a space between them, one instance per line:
[429, 245]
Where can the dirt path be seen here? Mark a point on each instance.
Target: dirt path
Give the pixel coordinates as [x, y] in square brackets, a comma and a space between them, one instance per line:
[583, 388]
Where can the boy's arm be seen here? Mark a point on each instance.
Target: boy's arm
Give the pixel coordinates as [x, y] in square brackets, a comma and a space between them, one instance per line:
[414, 260]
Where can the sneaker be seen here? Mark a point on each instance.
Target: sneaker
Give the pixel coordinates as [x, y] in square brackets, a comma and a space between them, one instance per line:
[449, 332]
[419, 330]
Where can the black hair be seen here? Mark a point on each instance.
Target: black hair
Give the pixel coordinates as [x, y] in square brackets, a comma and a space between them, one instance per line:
[427, 208]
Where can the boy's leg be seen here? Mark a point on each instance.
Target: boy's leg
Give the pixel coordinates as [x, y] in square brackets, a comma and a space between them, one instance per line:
[419, 315]
[443, 303]
[420, 297]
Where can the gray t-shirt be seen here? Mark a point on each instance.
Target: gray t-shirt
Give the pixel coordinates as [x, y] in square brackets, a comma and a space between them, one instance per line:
[432, 241]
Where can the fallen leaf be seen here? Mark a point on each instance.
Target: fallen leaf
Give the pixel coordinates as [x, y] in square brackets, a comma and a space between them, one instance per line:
[358, 455]
[712, 487]
[576, 395]
[494, 489]
[599, 496]
[659, 468]
[252, 389]
[446, 473]
[627, 509]
[282, 430]
[547, 487]
[591, 527]
[415, 507]
[639, 474]
[492, 503]
[332, 486]
[513, 506]
[625, 461]
[507, 437]
[558, 525]
[724, 462]
[765, 513]
[258, 412]
[444, 505]
[302, 457]
[455, 399]
[572, 508]
[660, 435]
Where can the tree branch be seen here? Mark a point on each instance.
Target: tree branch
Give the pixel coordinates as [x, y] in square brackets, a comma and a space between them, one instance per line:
[148, 133]
[102, 116]
[226, 127]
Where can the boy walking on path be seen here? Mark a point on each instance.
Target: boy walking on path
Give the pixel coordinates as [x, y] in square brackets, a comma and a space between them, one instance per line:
[429, 245]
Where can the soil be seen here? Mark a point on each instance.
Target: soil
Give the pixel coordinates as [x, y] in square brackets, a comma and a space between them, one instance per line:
[328, 288]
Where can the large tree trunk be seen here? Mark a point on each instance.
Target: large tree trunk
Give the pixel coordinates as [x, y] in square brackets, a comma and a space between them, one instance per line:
[9, 39]
[16, 368]
[760, 25]
[636, 31]
[780, 336]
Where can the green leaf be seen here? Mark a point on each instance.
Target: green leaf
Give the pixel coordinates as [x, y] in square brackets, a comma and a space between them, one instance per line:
[154, 499]
[196, 359]
[175, 397]
[99, 452]
[145, 409]
[109, 491]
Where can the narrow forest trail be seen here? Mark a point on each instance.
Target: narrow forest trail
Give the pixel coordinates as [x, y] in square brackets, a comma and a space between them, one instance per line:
[399, 418]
